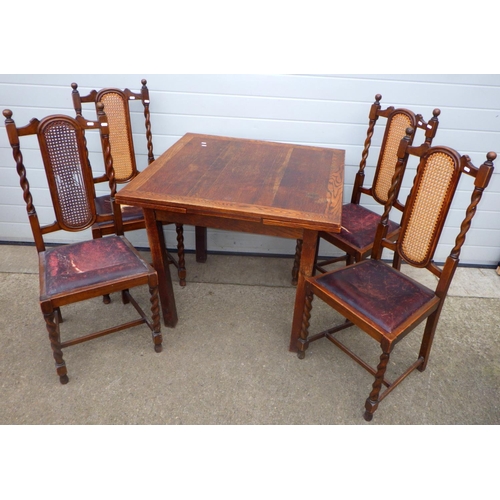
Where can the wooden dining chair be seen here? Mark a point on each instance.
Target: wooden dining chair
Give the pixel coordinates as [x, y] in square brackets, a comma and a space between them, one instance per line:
[382, 301]
[359, 224]
[117, 107]
[87, 269]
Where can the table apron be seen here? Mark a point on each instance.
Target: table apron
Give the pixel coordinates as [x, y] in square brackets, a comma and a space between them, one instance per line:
[244, 226]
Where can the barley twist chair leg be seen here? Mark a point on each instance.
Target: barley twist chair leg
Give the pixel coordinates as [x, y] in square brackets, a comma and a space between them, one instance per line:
[303, 344]
[55, 343]
[155, 311]
[372, 402]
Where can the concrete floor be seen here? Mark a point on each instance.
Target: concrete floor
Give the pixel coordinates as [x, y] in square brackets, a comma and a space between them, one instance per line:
[227, 361]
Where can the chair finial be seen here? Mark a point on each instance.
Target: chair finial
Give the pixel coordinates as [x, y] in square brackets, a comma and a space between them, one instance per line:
[74, 86]
[7, 113]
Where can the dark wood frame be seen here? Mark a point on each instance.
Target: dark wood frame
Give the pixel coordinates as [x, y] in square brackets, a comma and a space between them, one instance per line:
[431, 309]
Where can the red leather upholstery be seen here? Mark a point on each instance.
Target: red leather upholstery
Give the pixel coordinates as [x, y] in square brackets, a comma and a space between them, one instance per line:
[362, 224]
[69, 267]
[379, 292]
[103, 206]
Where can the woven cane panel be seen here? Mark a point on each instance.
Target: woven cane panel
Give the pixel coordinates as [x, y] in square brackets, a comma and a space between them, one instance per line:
[62, 148]
[121, 149]
[397, 130]
[432, 190]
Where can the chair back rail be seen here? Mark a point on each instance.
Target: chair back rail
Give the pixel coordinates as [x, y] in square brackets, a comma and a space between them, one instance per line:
[66, 162]
[438, 174]
[116, 102]
[359, 224]
[398, 121]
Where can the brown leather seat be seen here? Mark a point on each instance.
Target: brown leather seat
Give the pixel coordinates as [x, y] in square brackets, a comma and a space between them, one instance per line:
[77, 266]
[359, 226]
[129, 213]
[379, 293]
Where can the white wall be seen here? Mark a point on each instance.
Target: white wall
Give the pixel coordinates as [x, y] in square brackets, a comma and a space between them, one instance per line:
[322, 110]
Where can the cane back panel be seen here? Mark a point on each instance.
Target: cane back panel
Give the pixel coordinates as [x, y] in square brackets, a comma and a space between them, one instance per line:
[395, 131]
[430, 199]
[120, 138]
[66, 165]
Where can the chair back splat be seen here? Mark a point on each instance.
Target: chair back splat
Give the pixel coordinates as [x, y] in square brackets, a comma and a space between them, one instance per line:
[359, 224]
[117, 105]
[377, 297]
[87, 269]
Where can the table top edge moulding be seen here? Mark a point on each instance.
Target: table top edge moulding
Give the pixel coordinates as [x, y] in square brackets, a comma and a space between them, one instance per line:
[324, 212]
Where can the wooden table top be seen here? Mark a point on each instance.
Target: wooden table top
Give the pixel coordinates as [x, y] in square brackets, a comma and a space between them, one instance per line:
[267, 182]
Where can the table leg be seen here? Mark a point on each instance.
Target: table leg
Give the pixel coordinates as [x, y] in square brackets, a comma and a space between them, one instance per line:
[158, 249]
[308, 255]
[201, 243]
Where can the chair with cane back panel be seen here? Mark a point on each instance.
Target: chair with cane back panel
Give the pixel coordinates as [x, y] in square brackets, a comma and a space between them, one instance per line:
[116, 103]
[359, 224]
[87, 269]
[379, 299]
